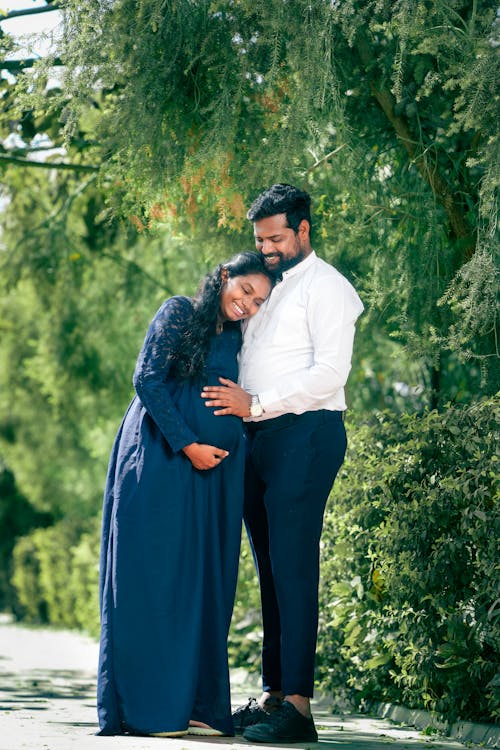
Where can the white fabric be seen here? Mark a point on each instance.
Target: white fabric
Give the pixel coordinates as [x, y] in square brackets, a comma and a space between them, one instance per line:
[297, 349]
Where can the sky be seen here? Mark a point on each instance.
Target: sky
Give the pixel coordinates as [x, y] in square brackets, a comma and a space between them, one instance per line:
[33, 32]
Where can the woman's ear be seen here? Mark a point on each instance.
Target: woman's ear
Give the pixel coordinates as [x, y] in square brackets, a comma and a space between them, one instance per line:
[224, 275]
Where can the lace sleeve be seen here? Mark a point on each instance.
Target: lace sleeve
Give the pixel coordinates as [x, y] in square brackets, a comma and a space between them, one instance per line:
[152, 371]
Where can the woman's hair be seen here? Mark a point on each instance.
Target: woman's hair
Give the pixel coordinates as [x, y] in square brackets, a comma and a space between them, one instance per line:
[193, 348]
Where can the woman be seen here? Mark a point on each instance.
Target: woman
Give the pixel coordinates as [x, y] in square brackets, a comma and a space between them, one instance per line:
[172, 519]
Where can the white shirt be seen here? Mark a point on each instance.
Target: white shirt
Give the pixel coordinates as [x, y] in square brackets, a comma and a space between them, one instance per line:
[296, 352]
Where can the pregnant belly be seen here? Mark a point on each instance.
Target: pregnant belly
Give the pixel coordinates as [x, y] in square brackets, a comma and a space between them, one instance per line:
[222, 431]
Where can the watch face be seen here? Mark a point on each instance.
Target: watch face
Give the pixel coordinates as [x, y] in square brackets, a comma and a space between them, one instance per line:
[255, 407]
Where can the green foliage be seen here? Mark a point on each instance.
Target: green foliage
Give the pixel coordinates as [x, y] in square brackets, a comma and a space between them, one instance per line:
[41, 573]
[400, 98]
[77, 293]
[410, 564]
[56, 576]
[26, 578]
[17, 517]
[84, 578]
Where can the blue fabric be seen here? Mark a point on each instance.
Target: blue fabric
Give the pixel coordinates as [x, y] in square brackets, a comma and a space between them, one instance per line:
[170, 545]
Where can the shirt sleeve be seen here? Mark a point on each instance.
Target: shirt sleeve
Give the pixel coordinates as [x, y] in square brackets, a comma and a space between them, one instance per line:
[332, 310]
[153, 370]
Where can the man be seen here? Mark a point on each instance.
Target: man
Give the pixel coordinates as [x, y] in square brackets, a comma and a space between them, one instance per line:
[294, 363]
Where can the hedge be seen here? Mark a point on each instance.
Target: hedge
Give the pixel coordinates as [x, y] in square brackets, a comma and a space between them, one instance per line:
[410, 567]
[56, 576]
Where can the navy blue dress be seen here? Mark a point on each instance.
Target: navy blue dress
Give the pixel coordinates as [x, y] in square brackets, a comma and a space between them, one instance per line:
[170, 545]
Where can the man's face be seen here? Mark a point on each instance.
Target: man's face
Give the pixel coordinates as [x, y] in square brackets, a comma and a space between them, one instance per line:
[281, 247]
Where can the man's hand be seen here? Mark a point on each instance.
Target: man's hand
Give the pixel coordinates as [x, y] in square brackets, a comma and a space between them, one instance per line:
[230, 396]
[204, 456]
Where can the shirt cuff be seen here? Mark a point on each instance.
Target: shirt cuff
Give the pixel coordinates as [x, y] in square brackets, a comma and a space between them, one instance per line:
[270, 398]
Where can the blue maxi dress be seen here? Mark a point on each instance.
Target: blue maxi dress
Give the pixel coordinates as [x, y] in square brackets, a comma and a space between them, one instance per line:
[170, 545]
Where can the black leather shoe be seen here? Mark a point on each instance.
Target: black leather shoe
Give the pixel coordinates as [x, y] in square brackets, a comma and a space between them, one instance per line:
[252, 713]
[284, 725]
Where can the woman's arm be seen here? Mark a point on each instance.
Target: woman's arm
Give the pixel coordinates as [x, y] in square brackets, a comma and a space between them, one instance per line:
[153, 369]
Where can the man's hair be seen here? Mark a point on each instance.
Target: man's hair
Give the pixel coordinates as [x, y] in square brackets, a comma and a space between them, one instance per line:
[282, 199]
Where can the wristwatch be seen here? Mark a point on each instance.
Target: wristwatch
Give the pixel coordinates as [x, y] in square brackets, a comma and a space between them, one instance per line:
[256, 409]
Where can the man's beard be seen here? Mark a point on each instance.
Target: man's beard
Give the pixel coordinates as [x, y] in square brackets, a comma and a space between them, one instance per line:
[284, 264]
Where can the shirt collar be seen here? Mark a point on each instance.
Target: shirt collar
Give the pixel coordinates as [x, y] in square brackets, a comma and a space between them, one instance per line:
[300, 267]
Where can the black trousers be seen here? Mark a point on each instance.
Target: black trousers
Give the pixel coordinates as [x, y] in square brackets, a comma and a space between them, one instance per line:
[292, 463]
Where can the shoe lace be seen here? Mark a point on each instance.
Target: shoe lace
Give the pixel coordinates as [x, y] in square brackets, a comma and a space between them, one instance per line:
[249, 707]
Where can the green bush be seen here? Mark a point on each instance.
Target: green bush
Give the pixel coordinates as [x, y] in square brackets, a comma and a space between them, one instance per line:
[17, 518]
[409, 597]
[30, 605]
[56, 576]
[42, 571]
[84, 579]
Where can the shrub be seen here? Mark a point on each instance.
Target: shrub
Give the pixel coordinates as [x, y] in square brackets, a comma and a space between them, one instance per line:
[84, 579]
[56, 576]
[30, 604]
[17, 517]
[409, 595]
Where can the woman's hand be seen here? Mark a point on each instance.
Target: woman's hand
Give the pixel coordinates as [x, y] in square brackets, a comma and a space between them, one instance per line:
[204, 456]
[230, 396]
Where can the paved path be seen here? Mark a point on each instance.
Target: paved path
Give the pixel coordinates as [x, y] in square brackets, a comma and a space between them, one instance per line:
[47, 702]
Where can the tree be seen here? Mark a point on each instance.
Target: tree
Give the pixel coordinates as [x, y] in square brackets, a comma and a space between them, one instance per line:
[399, 98]
[385, 110]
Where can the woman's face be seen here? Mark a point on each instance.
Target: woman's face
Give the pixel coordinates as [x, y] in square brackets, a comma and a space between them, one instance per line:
[241, 296]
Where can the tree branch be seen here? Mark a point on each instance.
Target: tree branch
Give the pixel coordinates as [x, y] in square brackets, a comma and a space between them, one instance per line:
[325, 158]
[27, 63]
[53, 217]
[426, 166]
[30, 11]
[47, 164]
[125, 262]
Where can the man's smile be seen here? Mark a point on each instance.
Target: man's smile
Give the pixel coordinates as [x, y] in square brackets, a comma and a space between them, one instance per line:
[272, 257]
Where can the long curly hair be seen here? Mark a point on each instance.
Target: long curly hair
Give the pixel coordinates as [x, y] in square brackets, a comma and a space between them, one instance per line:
[191, 354]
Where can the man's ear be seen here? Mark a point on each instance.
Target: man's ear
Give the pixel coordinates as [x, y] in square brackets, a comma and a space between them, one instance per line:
[304, 228]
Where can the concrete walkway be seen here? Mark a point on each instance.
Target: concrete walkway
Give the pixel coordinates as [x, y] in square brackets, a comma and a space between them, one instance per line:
[47, 702]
